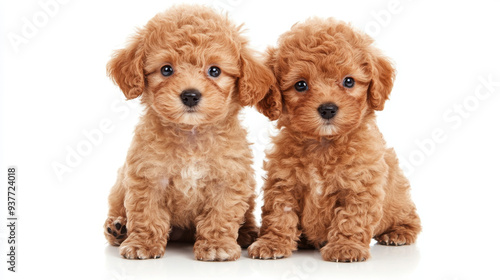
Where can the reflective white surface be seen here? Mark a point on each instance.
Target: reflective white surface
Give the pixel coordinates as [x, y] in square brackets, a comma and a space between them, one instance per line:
[450, 261]
[393, 263]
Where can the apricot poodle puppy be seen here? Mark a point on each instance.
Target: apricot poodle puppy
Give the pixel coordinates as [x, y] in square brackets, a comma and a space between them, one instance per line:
[189, 165]
[331, 180]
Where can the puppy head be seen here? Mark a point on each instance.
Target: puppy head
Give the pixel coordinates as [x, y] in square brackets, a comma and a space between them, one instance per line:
[191, 66]
[329, 77]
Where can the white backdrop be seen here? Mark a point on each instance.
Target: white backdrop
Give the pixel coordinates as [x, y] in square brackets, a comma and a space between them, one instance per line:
[67, 128]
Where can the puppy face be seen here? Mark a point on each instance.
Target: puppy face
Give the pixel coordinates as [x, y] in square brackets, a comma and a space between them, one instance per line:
[194, 84]
[192, 67]
[329, 78]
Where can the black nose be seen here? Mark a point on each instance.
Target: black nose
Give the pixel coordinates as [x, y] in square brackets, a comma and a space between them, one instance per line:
[328, 110]
[190, 97]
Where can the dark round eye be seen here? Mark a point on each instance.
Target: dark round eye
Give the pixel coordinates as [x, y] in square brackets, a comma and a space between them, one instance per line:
[167, 70]
[301, 86]
[214, 71]
[348, 82]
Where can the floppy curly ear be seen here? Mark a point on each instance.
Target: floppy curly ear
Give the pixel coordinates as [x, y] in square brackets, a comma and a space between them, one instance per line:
[126, 68]
[254, 81]
[272, 105]
[383, 74]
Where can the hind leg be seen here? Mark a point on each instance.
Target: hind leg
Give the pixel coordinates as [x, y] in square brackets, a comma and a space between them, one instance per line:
[115, 229]
[400, 224]
[402, 233]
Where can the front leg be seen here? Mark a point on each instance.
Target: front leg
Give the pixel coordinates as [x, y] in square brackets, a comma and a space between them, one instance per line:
[217, 226]
[148, 221]
[356, 216]
[279, 232]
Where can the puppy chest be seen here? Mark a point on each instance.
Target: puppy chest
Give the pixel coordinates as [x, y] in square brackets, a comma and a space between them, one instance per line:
[193, 171]
[184, 185]
[190, 174]
[319, 180]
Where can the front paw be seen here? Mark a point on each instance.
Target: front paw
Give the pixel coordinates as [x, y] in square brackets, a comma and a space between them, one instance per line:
[133, 248]
[269, 249]
[224, 250]
[345, 253]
